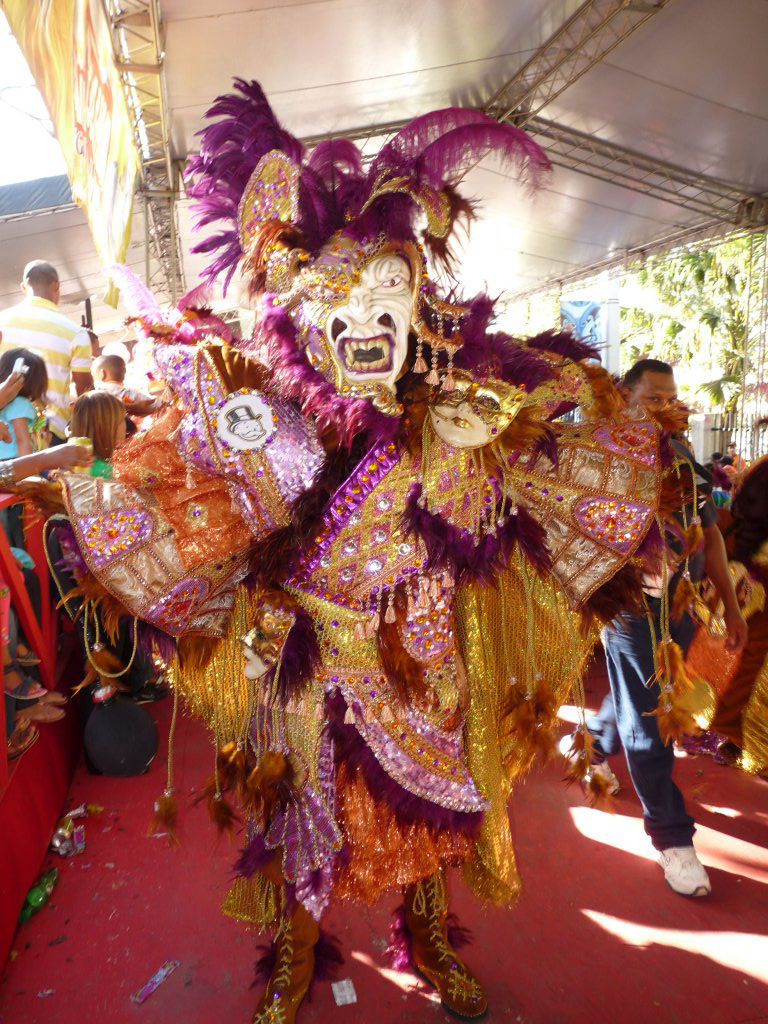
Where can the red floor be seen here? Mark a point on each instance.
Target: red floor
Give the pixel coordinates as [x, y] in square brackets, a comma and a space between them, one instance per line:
[596, 936]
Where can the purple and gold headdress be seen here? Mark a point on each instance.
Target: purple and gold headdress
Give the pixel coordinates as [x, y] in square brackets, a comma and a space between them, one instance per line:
[286, 212]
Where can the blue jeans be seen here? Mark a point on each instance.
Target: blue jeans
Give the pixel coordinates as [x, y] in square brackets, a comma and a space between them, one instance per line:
[623, 721]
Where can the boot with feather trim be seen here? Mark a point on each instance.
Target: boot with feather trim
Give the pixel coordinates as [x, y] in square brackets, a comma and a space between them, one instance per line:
[299, 955]
[433, 955]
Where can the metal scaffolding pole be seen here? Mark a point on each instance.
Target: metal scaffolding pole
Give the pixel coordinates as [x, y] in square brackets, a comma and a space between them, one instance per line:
[595, 29]
[139, 57]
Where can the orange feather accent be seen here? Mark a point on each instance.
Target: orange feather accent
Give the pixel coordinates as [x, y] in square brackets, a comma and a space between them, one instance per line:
[526, 730]
[222, 814]
[165, 817]
[269, 781]
[694, 537]
[196, 651]
[685, 593]
[674, 721]
[607, 401]
[402, 670]
[598, 793]
[578, 765]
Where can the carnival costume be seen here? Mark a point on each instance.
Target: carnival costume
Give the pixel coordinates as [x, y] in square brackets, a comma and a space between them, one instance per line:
[362, 535]
[739, 678]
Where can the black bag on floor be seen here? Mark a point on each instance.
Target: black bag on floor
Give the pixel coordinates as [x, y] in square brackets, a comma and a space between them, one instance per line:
[120, 738]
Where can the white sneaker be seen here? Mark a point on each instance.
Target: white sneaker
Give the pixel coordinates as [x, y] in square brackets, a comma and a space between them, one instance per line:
[566, 748]
[684, 872]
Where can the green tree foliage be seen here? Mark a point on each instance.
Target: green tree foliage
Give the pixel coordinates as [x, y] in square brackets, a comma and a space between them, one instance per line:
[701, 301]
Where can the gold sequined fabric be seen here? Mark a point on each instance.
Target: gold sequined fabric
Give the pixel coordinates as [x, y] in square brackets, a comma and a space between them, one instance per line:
[754, 726]
[254, 900]
[518, 636]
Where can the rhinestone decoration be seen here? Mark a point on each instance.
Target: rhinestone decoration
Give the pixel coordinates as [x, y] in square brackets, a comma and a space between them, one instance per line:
[173, 612]
[636, 440]
[617, 524]
[112, 534]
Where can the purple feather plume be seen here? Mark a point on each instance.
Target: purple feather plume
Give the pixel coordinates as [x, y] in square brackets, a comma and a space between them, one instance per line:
[444, 144]
[253, 857]
[563, 344]
[300, 659]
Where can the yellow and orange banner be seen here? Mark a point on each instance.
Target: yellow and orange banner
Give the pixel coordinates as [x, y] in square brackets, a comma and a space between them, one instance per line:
[68, 46]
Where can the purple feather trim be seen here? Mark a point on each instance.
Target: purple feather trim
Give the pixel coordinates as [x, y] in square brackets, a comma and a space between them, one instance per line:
[71, 559]
[253, 857]
[407, 809]
[399, 952]
[328, 960]
[499, 355]
[562, 343]
[444, 144]
[449, 547]
[300, 659]
[296, 381]
[152, 639]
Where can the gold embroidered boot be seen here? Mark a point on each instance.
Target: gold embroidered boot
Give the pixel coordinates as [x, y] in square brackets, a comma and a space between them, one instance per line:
[434, 958]
[290, 976]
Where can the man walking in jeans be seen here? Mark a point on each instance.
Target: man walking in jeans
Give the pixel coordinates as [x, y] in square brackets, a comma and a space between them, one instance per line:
[624, 719]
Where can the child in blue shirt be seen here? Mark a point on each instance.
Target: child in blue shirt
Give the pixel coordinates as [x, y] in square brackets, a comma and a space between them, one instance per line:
[20, 414]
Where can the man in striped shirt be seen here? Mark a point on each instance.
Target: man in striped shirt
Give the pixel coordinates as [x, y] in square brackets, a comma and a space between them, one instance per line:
[37, 324]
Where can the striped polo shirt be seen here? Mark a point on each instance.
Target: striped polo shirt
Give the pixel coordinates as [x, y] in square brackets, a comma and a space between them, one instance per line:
[38, 325]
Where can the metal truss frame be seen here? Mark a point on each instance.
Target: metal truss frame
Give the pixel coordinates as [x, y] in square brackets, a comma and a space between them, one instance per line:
[594, 29]
[139, 57]
[700, 235]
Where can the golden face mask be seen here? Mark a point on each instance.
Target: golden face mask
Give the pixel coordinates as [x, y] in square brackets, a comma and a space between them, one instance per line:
[474, 414]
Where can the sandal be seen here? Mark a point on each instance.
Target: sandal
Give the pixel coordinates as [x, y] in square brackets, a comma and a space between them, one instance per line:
[28, 659]
[40, 713]
[54, 697]
[22, 738]
[27, 689]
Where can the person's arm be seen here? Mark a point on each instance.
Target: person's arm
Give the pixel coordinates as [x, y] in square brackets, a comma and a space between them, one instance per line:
[80, 359]
[10, 387]
[141, 407]
[716, 568]
[63, 456]
[83, 381]
[23, 436]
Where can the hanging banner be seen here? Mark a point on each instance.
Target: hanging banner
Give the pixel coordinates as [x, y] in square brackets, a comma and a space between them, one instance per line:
[586, 320]
[68, 46]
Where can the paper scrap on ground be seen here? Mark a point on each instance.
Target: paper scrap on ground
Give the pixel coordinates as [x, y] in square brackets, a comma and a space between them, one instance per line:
[344, 992]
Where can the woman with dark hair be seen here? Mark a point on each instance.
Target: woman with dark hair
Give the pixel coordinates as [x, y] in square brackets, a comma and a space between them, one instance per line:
[742, 709]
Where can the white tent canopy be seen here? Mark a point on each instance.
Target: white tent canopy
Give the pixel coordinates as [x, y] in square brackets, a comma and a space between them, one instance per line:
[682, 85]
